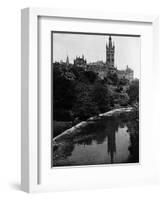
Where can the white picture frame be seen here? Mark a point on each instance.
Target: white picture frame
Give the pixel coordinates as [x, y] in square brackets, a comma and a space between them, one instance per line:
[35, 174]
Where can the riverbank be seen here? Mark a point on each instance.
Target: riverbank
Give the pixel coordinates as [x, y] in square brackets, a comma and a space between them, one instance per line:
[76, 128]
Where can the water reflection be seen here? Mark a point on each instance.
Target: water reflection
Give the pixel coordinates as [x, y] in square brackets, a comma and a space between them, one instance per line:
[111, 146]
[111, 140]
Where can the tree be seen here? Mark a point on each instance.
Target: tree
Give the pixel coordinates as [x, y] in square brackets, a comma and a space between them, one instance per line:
[91, 76]
[101, 97]
[133, 91]
[63, 93]
[84, 106]
[123, 81]
[112, 78]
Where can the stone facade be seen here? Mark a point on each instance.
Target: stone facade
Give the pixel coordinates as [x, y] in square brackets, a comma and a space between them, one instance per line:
[110, 51]
[98, 67]
[80, 62]
[127, 74]
[110, 54]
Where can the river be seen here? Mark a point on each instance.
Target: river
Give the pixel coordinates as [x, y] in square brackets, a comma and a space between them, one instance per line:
[110, 140]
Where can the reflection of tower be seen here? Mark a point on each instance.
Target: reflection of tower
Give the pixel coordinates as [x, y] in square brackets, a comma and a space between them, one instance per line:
[110, 49]
[111, 143]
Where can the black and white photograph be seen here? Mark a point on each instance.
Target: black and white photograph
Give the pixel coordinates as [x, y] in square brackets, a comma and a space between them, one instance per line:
[94, 98]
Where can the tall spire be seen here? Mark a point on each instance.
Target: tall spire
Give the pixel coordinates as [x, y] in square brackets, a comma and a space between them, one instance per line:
[110, 41]
[67, 60]
[110, 50]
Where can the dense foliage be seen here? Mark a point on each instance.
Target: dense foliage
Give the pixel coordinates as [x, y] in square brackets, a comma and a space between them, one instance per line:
[133, 92]
[78, 94]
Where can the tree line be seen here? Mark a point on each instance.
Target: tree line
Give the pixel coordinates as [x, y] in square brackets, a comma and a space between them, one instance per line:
[78, 94]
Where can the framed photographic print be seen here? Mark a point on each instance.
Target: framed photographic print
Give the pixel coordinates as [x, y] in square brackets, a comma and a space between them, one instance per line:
[87, 114]
[95, 103]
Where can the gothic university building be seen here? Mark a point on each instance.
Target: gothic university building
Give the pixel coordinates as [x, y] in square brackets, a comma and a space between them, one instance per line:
[110, 51]
[128, 73]
[105, 68]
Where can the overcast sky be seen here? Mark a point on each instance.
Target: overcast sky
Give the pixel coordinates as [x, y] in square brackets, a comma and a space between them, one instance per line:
[127, 49]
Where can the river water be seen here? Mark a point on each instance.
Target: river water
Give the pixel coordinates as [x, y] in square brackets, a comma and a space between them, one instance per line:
[105, 141]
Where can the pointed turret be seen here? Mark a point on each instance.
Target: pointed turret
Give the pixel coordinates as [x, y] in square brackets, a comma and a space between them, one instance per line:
[110, 50]
[110, 42]
[67, 60]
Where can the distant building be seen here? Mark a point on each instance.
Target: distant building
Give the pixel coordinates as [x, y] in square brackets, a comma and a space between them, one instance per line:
[102, 68]
[110, 51]
[80, 62]
[128, 74]
[99, 68]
